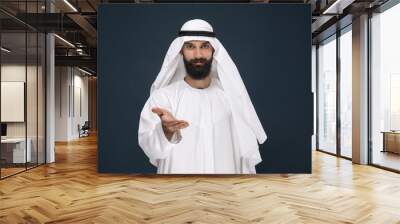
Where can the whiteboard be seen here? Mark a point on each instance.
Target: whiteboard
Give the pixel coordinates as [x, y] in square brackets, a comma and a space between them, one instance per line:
[12, 101]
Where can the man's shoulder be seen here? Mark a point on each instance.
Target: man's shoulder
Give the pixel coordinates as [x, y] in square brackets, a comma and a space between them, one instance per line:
[166, 90]
[172, 87]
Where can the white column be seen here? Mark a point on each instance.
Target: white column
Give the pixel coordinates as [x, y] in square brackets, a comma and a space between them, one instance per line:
[50, 110]
[360, 90]
[50, 92]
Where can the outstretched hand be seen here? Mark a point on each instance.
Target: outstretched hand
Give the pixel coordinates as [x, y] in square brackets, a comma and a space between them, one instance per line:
[169, 122]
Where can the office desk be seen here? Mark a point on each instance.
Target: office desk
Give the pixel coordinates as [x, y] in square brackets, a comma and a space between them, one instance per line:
[13, 150]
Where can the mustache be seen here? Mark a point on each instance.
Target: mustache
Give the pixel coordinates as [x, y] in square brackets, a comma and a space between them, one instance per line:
[197, 60]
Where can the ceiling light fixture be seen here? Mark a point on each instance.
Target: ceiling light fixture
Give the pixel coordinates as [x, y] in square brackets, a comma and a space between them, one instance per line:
[64, 40]
[70, 5]
[84, 71]
[5, 50]
[337, 7]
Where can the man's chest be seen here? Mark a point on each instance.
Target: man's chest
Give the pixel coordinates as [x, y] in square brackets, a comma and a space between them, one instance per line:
[203, 109]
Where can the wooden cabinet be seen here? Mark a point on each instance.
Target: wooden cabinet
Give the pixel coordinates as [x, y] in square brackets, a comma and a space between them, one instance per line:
[391, 141]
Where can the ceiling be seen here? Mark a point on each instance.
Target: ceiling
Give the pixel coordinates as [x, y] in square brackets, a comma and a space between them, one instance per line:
[75, 21]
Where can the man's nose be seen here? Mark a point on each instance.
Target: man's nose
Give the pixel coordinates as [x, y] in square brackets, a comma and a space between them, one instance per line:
[197, 53]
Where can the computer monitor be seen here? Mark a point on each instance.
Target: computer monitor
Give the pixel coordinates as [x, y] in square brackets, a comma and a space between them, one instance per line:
[3, 129]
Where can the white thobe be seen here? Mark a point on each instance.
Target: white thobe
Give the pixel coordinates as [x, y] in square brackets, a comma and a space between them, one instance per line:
[207, 146]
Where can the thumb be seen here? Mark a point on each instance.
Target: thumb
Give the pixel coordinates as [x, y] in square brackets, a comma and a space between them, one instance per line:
[159, 111]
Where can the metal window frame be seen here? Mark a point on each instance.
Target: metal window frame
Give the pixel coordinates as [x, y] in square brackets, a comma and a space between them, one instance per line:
[44, 73]
[337, 35]
[381, 9]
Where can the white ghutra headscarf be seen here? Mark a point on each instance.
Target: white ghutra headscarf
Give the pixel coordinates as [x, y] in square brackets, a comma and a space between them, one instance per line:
[247, 123]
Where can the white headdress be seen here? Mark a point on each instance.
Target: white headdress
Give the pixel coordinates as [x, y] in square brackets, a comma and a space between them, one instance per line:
[223, 68]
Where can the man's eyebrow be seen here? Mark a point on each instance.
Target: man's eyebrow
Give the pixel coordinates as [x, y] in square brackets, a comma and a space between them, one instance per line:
[188, 45]
[191, 44]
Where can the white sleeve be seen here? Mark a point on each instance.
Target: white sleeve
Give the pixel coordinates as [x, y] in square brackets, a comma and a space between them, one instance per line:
[151, 136]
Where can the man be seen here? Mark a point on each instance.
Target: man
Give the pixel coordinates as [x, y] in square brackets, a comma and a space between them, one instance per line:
[199, 118]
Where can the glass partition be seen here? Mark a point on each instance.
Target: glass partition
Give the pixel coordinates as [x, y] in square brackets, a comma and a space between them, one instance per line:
[14, 153]
[346, 93]
[385, 88]
[22, 78]
[327, 95]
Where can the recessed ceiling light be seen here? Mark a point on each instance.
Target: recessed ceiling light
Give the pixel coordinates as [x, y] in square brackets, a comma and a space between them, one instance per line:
[5, 50]
[84, 71]
[70, 5]
[337, 7]
[64, 40]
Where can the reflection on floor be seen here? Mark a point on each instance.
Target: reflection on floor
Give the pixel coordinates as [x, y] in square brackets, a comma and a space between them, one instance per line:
[72, 191]
[346, 152]
[386, 159]
[10, 169]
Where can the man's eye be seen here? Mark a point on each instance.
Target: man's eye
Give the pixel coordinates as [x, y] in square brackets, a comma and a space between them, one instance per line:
[189, 46]
[206, 46]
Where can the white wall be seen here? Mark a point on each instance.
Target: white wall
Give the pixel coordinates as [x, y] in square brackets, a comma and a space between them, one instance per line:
[9, 73]
[80, 103]
[314, 90]
[71, 92]
[33, 127]
[16, 72]
[61, 103]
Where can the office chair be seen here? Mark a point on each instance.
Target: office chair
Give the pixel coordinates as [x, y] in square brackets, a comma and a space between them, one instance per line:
[84, 130]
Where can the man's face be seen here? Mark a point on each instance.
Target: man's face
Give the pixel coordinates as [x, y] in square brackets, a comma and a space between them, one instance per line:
[197, 57]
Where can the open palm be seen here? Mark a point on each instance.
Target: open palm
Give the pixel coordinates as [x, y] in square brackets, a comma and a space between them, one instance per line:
[169, 122]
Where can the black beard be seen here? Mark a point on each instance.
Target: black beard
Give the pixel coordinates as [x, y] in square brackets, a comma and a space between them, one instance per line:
[198, 72]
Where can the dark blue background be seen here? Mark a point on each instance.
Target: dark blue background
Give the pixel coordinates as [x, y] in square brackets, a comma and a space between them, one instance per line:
[270, 44]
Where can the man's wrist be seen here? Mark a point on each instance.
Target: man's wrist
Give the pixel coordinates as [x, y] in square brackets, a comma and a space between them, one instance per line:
[168, 134]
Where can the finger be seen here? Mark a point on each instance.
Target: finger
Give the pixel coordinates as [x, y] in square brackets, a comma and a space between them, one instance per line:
[170, 123]
[180, 126]
[160, 111]
[176, 121]
[180, 123]
[184, 124]
[175, 127]
[164, 111]
[157, 111]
